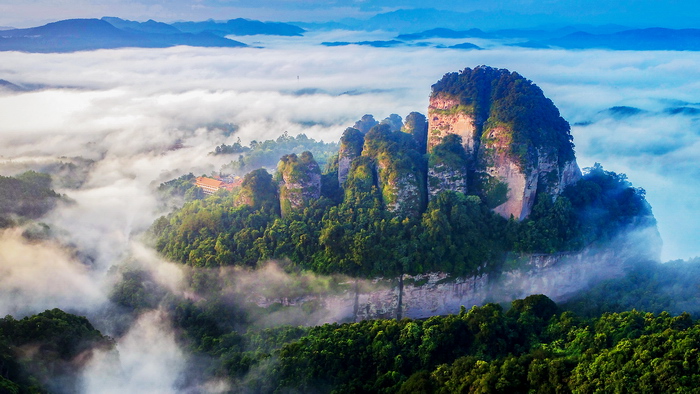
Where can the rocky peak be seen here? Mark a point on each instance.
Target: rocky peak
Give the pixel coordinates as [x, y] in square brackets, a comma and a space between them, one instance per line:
[394, 122]
[399, 169]
[516, 143]
[417, 125]
[350, 148]
[365, 124]
[259, 191]
[300, 181]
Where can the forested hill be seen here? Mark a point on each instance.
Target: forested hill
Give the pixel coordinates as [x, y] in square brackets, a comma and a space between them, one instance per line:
[397, 201]
[47, 352]
[25, 196]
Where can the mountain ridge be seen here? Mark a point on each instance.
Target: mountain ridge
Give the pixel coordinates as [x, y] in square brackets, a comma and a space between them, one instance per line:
[72, 35]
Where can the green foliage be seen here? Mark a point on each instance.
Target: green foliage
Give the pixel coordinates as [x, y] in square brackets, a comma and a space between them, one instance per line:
[224, 149]
[455, 233]
[183, 187]
[57, 339]
[647, 286]
[531, 348]
[449, 152]
[495, 191]
[259, 191]
[605, 202]
[27, 195]
[503, 98]
[267, 153]
[136, 291]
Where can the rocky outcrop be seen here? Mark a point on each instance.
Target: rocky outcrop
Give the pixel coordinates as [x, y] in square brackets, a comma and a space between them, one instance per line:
[417, 125]
[446, 115]
[558, 276]
[394, 122]
[489, 132]
[365, 124]
[299, 181]
[401, 188]
[259, 191]
[447, 166]
[350, 148]
[398, 165]
[516, 143]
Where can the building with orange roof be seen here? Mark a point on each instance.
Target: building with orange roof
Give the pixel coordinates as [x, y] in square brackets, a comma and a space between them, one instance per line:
[208, 185]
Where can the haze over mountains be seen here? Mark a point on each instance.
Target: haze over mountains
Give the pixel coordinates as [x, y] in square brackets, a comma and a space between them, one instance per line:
[415, 27]
[110, 32]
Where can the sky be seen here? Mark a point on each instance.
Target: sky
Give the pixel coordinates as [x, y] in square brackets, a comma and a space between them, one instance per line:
[635, 13]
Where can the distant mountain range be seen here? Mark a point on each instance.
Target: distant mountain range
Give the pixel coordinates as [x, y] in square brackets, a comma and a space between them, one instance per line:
[570, 38]
[109, 32]
[7, 85]
[406, 21]
[637, 39]
[240, 27]
[397, 43]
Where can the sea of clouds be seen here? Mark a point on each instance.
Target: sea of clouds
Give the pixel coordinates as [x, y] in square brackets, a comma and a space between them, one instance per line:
[149, 115]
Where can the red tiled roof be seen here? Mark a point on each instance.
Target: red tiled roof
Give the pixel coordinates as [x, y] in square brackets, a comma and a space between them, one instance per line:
[208, 182]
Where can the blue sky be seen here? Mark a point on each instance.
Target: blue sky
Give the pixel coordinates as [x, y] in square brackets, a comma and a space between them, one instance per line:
[635, 13]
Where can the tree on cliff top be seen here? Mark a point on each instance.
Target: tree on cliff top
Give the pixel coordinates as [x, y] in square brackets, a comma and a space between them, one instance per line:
[499, 96]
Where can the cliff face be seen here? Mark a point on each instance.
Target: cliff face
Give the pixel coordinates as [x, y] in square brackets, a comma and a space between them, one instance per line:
[401, 188]
[399, 170]
[350, 148]
[558, 276]
[489, 132]
[515, 142]
[258, 190]
[300, 181]
[417, 125]
[447, 166]
[446, 115]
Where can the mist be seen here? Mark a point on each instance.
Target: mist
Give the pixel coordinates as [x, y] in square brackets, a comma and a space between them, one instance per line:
[146, 116]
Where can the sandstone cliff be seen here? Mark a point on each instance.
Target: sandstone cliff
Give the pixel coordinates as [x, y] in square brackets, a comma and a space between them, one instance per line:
[350, 148]
[299, 181]
[558, 276]
[258, 190]
[417, 125]
[398, 165]
[516, 143]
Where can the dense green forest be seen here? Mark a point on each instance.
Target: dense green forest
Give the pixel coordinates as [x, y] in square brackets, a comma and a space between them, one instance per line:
[25, 196]
[648, 286]
[531, 345]
[457, 234]
[46, 352]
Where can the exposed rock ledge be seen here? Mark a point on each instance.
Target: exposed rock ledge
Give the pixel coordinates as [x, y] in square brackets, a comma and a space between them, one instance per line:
[558, 276]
